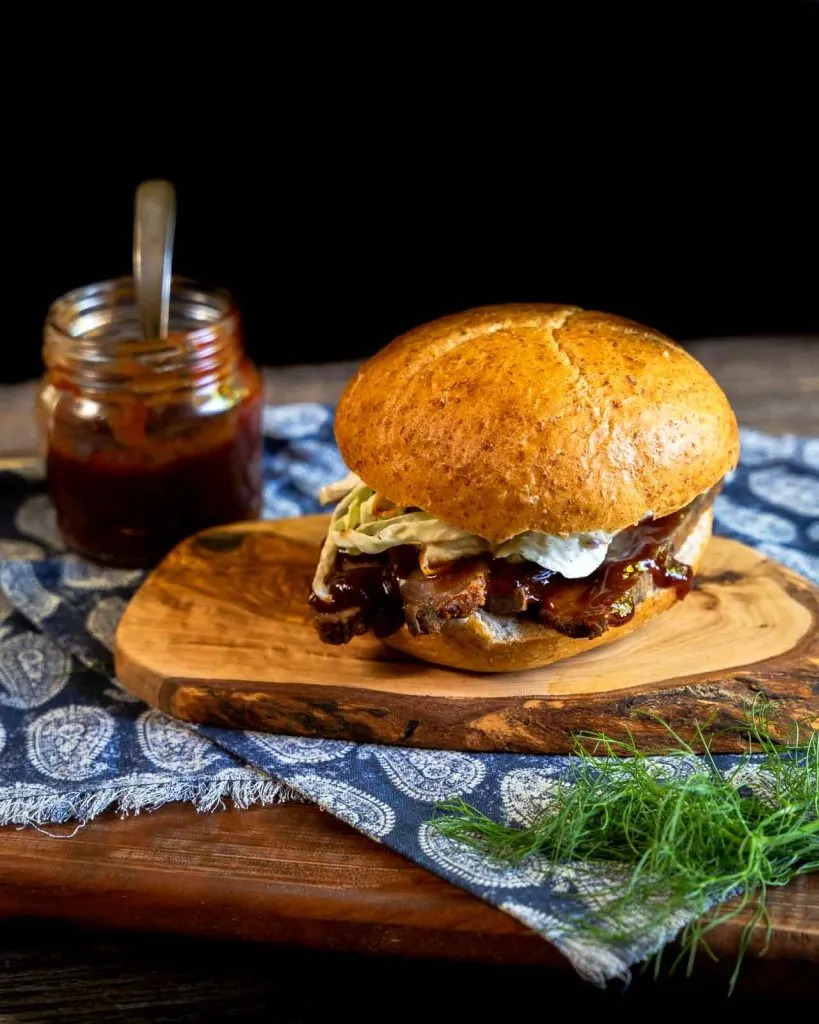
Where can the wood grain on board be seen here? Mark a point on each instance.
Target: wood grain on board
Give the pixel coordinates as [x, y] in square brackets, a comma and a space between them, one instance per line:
[221, 634]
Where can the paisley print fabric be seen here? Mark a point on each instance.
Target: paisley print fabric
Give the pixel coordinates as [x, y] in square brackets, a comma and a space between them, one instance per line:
[73, 743]
[430, 775]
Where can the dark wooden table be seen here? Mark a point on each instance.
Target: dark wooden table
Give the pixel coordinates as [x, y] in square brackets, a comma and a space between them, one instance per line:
[191, 903]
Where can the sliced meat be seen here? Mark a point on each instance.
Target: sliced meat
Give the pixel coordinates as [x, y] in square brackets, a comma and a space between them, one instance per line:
[514, 603]
[571, 608]
[340, 627]
[430, 601]
[513, 586]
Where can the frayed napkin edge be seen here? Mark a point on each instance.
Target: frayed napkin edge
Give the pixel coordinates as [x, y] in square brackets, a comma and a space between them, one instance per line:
[25, 807]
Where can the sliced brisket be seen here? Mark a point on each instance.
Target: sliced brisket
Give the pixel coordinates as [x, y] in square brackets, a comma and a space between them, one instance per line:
[429, 602]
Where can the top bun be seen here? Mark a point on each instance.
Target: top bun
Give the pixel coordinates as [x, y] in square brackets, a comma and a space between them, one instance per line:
[536, 417]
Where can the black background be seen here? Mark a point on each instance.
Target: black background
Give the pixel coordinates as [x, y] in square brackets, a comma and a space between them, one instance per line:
[668, 177]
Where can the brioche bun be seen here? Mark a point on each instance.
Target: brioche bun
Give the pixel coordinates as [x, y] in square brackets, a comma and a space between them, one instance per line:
[535, 417]
[493, 643]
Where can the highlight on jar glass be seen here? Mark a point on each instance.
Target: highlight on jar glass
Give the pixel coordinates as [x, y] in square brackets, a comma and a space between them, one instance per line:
[148, 441]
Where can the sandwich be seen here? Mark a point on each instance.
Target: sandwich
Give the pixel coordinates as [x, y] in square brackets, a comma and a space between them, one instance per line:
[527, 482]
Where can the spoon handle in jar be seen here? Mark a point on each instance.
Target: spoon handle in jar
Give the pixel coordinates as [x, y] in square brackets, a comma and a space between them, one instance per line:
[154, 222]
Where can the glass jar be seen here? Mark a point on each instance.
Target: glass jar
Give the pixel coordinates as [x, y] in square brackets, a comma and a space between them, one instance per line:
[148, 441]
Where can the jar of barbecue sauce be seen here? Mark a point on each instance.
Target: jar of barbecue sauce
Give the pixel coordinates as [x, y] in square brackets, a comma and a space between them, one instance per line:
[148, 441]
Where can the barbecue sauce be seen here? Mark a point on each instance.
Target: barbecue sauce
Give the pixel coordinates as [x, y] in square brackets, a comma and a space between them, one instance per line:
[368, 589]
[130, 507]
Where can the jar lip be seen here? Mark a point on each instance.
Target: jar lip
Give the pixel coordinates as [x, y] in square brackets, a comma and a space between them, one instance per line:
[188, 287]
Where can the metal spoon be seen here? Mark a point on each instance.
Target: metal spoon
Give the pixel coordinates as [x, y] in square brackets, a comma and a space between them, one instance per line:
[154, 223]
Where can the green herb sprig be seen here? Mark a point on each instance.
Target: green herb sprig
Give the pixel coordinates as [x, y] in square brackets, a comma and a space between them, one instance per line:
[688, 841]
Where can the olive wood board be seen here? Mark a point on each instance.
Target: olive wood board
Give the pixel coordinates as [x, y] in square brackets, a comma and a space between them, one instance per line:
[220, 634]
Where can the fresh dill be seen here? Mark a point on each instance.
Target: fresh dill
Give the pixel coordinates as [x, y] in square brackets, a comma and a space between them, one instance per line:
[688, 841]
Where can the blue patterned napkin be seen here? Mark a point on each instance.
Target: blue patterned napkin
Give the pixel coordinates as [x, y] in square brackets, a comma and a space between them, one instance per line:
[73, 743]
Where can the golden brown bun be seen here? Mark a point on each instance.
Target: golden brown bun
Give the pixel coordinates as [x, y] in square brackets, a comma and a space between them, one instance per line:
[536, 417]
[491, 643]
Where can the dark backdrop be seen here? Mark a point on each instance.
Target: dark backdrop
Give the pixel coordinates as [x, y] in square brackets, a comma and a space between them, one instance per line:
[337, 275]
[685, 198]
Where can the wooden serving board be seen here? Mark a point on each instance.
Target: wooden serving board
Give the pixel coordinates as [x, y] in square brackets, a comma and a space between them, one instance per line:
[221, 634]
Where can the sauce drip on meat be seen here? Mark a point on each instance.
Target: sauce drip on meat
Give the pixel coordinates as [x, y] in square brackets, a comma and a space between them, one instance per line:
[588, 607]
[368, 593]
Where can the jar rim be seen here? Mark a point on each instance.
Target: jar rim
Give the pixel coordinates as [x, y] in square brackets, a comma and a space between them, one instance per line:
[189, 288]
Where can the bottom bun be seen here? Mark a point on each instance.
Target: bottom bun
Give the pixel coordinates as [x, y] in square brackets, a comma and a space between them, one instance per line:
[504, 643]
